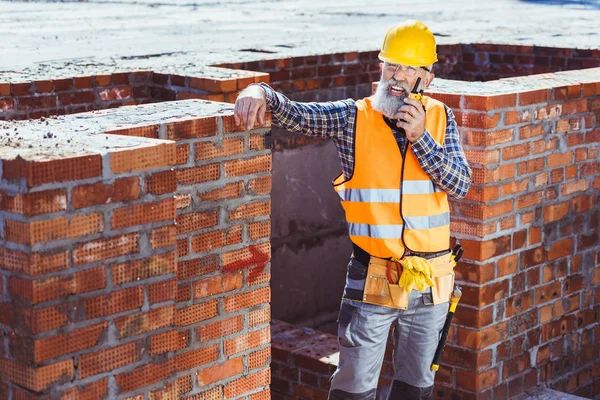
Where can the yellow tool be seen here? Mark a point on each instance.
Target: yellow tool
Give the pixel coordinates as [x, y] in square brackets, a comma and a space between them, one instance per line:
[435, 365]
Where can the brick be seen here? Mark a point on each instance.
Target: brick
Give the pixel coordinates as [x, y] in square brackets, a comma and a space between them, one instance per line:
[143, 157]
[114, 302]
[136, 324]
[183, 152]
[137, 270]
[486, 211]
[230, 190]
[557, 160]
[546, 293]
[52, 347]
[259, 230]
[168, 341]
[217, 239]
[483, 157]
[247, 341]
[37, 173]
[35, 203]
[249, 383]
[196, 221]
[80, 97]
[248, 166]
[220, 329]
[196, 313]
[105, 248]
[145, 375]
[221, 371]
[36, 103]
[508, 265]
[90, 391]
[214, 85]
[260, 185]
[247, 300]
[479, 296]
[575, 106]
[162, 291]
[197, 267]
[477, 120]
[37, 379]
[7, 105]
[258, 255]
[108, 359]
[193, 175]
[56, 229]
[123, 189]
[259, 317]
[486, 103]
[112, 94]
[162, 182]
[516, 151]
[164, 237]
[527, 132]
[548, 112]
[530, 199]
[141, 214]
[482, 338]
[252, 210]
[192, 128]
[544, 146]
[226, 148]
[531, 166]
[556, 212]
[534, 97]
[218, 284]
[574, 187]
[45, 289]
[488, 139]
[483, 250]
[514, 187]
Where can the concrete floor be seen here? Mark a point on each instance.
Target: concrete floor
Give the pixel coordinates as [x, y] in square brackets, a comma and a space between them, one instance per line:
[41, 37]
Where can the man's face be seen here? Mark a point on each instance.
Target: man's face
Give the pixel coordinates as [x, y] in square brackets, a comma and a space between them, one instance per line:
[394, 86]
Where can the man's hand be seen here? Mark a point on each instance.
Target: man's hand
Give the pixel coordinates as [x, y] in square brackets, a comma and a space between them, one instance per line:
[413, 113]
[250, 104]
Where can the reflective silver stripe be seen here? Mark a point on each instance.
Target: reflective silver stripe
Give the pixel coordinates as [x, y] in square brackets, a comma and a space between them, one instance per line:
[371, 195]
[418, 187]
[376, 231]
[434, 221]
[387, 195]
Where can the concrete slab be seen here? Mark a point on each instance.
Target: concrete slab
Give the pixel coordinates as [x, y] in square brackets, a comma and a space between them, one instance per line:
[41, 38]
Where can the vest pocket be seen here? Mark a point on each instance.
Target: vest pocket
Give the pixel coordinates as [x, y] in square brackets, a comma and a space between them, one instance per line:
[442, 291]
[345, 321]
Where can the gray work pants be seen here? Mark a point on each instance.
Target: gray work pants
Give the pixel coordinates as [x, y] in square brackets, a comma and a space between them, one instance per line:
[362, 333]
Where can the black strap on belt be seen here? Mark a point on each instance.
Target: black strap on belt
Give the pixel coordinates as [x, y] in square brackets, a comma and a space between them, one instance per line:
[363, 257]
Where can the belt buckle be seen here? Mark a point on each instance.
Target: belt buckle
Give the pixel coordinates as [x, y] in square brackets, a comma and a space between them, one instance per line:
[427, 298]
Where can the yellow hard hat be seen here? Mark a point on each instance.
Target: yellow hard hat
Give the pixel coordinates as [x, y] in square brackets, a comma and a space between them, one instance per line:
[410, 43]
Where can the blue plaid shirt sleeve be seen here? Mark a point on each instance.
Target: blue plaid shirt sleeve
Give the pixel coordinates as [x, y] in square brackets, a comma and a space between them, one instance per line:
[446, 165]
[328, 120]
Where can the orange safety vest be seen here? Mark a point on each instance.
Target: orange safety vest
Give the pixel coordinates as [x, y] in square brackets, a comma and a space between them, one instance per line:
[391, 204]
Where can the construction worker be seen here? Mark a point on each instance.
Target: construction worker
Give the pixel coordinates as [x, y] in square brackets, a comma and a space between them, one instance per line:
[401, 158]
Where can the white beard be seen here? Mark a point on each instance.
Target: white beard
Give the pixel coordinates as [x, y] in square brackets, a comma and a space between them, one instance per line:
[384, 102]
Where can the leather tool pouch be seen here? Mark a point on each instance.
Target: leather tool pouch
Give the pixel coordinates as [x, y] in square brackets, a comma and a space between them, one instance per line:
[379, 291]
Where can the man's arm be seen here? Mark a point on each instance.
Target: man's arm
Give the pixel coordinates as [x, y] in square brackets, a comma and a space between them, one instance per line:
[327, 120]
[446, 165]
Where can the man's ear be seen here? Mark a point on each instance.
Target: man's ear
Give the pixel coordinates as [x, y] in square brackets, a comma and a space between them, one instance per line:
[428, 79]
[380, 67]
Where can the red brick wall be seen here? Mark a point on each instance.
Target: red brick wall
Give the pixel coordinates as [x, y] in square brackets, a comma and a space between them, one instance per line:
[135, 266]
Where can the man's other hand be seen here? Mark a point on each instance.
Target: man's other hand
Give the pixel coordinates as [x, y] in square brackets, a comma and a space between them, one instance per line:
[250, 105]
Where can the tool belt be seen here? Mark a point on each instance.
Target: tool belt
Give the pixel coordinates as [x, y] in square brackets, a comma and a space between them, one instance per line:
[381, 283]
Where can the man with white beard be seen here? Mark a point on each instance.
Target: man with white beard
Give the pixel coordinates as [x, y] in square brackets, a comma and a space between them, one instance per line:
[401, 158]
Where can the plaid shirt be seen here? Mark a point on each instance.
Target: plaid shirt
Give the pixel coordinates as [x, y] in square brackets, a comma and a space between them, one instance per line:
[446, 165]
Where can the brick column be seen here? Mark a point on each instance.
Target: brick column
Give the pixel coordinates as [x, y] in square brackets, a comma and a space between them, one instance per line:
[529, 225]
[135, 266]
